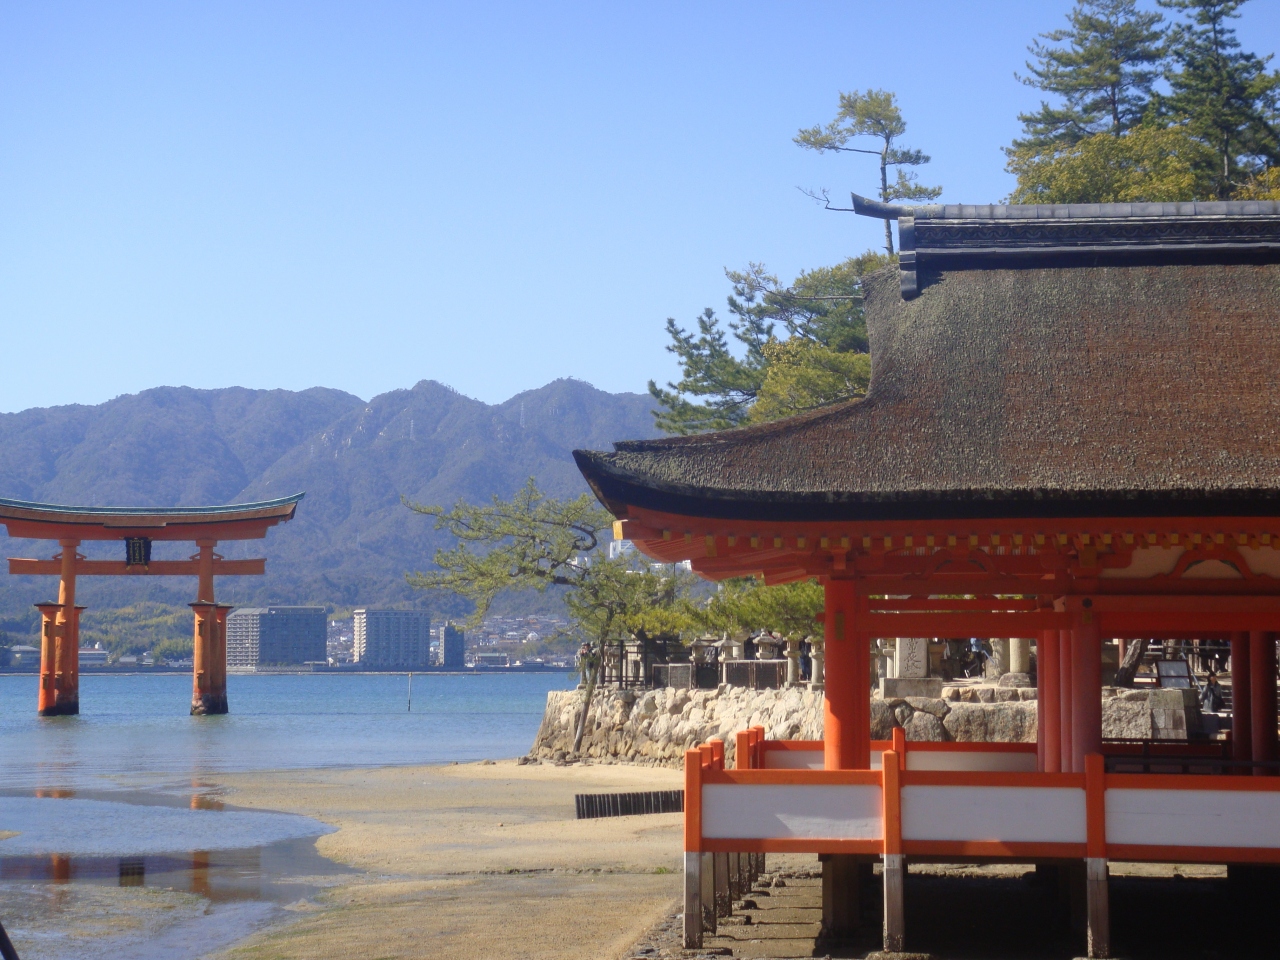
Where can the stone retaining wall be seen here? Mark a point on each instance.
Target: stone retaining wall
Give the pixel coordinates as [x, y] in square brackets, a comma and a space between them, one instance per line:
[658, 726]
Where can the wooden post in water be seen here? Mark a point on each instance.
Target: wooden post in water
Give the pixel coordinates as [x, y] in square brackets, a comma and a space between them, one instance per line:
[410, 710]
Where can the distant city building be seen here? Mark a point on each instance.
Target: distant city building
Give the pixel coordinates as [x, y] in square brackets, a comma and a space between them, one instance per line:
[93, 656]
[266, 636]
[453, 647]
[392, 639]
[620, 548]
[493, 660]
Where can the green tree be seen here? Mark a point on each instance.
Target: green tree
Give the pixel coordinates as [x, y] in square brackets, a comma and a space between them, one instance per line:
[874, 114]
[1147, 164]
[744, 605]
[536, 542]
[1102, 67]
[786, 350]
[1222, 96]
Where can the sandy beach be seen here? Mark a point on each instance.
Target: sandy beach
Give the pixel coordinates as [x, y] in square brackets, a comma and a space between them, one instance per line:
[471, 861]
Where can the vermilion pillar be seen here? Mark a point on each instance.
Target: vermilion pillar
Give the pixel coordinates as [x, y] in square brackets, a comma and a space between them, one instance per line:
[1241, 699]
[209, 651]
[1262, 684]
[45, 703]
[1048, 698]
[1086, 690]
[1065, 701]
[66, 644]
[846, 706]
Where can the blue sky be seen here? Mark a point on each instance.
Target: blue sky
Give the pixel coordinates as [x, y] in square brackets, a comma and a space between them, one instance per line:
[364, 195]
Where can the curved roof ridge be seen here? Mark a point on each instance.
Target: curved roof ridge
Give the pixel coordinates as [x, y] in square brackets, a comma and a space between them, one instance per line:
[1066, 211]
[150, 511]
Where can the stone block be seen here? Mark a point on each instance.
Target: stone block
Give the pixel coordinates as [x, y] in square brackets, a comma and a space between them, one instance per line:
[937, 708]
[1015, 680]
[911, 658]
[924, 727]
[1126, 720]
[930, 687]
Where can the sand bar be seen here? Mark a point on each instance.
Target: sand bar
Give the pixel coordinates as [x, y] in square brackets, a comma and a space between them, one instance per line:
[472, 861]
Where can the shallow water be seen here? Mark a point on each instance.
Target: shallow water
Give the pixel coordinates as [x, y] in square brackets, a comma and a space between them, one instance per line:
[124, 850]
[134, 728]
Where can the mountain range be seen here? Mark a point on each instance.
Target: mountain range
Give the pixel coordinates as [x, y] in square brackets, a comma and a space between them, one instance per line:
[352, 540]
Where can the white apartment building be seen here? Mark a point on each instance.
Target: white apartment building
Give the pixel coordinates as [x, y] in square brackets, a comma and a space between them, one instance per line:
[392, 639]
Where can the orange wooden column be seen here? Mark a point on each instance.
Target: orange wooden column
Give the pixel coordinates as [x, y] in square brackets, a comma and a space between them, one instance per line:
[846, 705]
[66, 672]
[45, 702]
[1049, 709]
[1065, 701]
[204, 698]
[1262, 690]
[1241, 699]
[1086, 690]
[208, 666]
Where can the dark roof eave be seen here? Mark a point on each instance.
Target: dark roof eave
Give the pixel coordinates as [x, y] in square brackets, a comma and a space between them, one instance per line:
[618, 489]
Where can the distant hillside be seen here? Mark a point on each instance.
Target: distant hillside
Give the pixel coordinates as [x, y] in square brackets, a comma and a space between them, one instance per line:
[352, 540]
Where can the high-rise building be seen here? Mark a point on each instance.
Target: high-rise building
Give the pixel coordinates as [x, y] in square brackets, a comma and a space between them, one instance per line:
[392, 639]
[265, 636]
[453, 647]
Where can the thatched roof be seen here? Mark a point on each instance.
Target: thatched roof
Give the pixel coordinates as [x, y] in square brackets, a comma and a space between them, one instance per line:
[1107, 390]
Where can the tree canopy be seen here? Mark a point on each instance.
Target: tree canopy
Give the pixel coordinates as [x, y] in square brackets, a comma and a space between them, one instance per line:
[874, 114]
[783, 351]
[1112, 136]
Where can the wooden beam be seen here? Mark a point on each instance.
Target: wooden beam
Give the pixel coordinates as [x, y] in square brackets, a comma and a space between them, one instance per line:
[157, 568]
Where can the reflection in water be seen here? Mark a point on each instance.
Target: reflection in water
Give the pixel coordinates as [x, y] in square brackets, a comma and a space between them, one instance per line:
[133, 871]
[223, 876]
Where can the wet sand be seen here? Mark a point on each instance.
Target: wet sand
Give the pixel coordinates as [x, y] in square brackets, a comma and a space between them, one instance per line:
[472, 861]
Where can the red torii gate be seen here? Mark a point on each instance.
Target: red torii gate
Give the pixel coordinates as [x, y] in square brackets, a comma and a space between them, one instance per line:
[137, 527]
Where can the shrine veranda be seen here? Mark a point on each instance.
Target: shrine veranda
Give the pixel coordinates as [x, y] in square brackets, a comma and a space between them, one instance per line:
[1071, 434]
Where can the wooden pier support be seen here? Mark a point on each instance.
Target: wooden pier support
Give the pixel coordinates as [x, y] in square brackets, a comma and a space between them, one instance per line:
[1241, 701]
[1262, 695]
[693, 888]
[1098, 906]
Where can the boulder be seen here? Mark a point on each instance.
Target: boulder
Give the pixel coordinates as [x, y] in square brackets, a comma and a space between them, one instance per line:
[937, 708]
[924, 727]
[1015, 680]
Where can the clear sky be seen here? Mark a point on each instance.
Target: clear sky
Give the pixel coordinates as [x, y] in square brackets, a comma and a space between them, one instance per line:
[367, 194]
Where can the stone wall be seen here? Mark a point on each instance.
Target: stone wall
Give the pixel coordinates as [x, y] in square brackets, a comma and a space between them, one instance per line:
[658, 726]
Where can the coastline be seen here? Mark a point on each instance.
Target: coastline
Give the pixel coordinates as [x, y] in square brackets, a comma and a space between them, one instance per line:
[476, 860]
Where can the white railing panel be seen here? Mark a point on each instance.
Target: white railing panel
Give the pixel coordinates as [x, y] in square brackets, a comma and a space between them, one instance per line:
[1008, 814]
[806, 759]
[793, 759]
[984, 761]
[769, 811]
[1194, 818]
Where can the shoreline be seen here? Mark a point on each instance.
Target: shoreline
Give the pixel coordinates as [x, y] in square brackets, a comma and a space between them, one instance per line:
[470, 860]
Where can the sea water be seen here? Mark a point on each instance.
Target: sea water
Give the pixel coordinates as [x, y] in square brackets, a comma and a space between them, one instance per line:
[115, 813]
[138, 726]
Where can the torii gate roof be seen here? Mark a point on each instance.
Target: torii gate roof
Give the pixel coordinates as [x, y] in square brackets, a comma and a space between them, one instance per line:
[236, 521]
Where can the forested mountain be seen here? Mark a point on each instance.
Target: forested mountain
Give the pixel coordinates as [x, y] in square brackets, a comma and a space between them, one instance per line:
[352, 539]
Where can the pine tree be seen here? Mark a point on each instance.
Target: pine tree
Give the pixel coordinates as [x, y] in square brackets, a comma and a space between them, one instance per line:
[1103, 75]
[874, 114]
[1223, 96]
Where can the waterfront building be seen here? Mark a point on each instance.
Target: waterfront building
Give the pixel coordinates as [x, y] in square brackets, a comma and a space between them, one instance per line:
[493, 660]
[391, 639]
[453, 647]
[1069, 436]
[275, 635]
[93, 656]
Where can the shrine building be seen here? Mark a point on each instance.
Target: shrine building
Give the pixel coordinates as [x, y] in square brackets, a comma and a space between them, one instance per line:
[135, 528]
[1071, 434]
